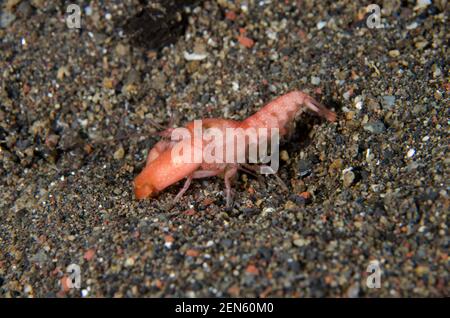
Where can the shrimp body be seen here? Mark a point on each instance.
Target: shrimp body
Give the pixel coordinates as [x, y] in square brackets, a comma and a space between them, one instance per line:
[162, 170]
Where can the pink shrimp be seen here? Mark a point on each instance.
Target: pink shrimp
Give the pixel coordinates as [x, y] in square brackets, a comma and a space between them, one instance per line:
[162, 170]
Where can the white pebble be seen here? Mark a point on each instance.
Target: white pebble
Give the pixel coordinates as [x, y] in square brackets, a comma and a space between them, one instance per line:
[315, 80]
[194, 56]
[168, 245]
[411, 153]
[271, 34]
[412, 26]
[321, 25]
[359, 102]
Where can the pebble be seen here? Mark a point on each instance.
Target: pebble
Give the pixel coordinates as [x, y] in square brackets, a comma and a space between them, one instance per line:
[194, 56]
[6, 19]
[301, 242]
[315, 80]
[420, 45]
[321, 25]
[412, 26]
[119, 153]
[348, 177]
[304, 167]
[388, 101]
[122, 49]
[376, 127]
[436, 71]
[411, 152]
[129, 262]
[246, 41]
[284, 155]
[394, 53]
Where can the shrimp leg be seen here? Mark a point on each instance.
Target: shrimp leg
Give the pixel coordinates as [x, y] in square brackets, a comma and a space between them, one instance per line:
[184, 189]
[195, 175]
[229, 174]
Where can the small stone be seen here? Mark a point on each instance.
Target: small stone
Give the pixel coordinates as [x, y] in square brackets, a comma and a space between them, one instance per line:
[301, 242]
[349, 177]
[420, 45]
[422, 270]
[284, 155]
[40, 257]
[192, 253]
[252, 270]
[89, 254]
[359, 102]
[194, 56]
[349, 115]
[412, 26]
[63, 71]
[411, 152]
[376, 127]
[304, 167]
[168, 241]
[52, 141]
[436, 71]
[321, 25]
[133, 77]
[129, 262]
[306, 195]
[119, 153]
[193, 66]
[315, 80]
[246, 41]
[6, 19]
[388, 101]
[336, 165]
[347, 94]
[122, 49]
[394, 53]
[230, 15]
[108, 83]
[24, 9]
[373, 105]
[290, 205]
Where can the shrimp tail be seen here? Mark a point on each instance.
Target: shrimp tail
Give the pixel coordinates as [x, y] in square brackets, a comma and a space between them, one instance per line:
[281, 112]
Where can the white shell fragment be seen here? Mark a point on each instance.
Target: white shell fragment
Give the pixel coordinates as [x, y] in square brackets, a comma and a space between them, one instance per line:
[411, 153]
[194, 56]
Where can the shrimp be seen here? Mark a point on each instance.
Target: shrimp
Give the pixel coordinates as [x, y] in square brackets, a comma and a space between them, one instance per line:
[162, 170]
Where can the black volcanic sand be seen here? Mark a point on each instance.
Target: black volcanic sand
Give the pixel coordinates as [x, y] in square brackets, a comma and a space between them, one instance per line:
[76, 113]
